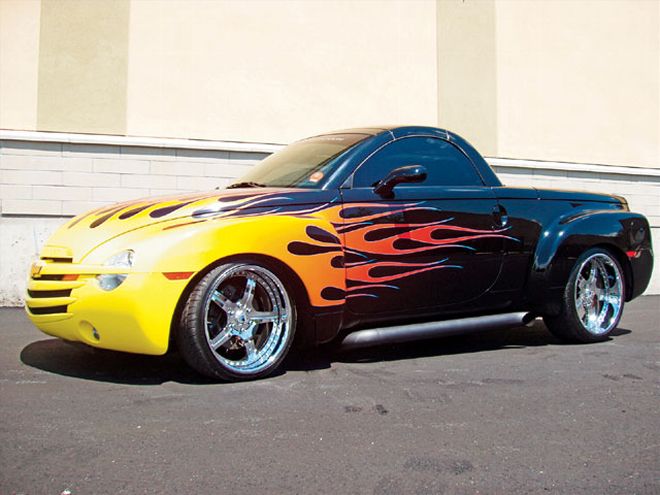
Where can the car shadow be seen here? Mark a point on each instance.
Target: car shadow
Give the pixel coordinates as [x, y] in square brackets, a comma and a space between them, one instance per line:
[79, 361]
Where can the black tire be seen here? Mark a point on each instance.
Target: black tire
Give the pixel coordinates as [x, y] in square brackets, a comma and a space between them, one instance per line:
[590, 309]
[233, 337]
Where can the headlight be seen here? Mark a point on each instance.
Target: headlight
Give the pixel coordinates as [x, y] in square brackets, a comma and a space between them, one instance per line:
[111, 281]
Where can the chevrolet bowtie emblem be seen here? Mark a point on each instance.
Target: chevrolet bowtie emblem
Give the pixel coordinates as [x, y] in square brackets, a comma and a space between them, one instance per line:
[35, 270]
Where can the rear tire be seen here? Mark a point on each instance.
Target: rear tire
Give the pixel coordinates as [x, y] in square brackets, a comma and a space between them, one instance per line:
[238, 323]
[592, 303]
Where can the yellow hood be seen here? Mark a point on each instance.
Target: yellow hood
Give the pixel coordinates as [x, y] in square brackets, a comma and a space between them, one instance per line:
[83, 233]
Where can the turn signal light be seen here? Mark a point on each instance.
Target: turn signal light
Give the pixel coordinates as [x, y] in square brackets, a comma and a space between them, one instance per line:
[177, 275]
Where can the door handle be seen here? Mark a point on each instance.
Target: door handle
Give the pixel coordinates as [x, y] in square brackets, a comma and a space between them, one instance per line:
[501, 216]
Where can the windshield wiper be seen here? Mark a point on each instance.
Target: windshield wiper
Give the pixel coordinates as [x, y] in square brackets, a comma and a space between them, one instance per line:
[238, 185]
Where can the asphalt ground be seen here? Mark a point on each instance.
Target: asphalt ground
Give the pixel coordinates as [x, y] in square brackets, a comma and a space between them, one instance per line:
[510, 411]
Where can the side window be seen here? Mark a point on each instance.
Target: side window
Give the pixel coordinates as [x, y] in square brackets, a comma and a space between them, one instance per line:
[445, 164]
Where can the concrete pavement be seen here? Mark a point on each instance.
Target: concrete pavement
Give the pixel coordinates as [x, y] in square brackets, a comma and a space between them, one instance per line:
[502, 412]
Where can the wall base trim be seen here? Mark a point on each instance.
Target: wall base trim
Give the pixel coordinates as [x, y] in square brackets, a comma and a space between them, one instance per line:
[236, 146]
[149, 142]
[573, 167]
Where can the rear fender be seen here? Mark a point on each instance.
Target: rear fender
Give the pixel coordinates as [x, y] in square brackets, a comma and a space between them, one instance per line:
[563, 241]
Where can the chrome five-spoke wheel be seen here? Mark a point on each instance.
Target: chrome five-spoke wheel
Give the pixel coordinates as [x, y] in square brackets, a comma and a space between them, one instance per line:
[598, 293]
[239, 322]
[592, 303]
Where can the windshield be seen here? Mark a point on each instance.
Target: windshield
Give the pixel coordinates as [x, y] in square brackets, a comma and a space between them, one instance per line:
[305, 163]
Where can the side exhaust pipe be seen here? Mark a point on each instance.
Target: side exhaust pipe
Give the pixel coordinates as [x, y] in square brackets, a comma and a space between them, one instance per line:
[419, 331]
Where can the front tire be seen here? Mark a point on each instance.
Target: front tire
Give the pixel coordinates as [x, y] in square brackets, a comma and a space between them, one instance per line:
[238, 323]
[593, 299]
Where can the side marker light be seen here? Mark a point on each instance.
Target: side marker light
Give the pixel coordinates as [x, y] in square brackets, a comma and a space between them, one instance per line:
[177, 275]
[633, 254]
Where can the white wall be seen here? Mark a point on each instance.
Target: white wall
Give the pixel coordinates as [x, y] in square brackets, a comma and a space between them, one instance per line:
[21, 239]
[60, 179]
[43, 183]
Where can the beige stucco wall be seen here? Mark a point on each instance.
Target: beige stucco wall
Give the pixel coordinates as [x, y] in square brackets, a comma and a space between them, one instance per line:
[579, 81]
[467, 72]
[19, 63]
[277, 70]
[574, 81]
[83, 60]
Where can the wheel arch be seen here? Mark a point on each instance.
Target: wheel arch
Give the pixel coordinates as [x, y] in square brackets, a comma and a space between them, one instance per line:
[301, 296]
[565, 241]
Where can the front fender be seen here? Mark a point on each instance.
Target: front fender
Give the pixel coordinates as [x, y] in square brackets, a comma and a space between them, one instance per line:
[308, 245]
[626, 234]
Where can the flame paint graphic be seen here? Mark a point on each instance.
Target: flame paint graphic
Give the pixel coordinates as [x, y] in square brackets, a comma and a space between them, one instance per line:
[376, 246]
[371, 242]
[209, 206]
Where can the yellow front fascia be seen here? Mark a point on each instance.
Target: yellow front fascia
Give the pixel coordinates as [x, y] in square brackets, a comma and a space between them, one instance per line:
[137, 315]
[134, 317]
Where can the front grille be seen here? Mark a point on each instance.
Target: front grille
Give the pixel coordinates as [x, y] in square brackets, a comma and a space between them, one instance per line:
[49, 293]
[58, 260]
[49, 277]
[47, 311]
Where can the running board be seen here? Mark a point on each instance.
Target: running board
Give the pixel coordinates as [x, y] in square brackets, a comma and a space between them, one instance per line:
[418, 331]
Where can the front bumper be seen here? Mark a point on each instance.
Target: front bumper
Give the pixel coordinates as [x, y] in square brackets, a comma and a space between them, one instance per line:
[64, 300]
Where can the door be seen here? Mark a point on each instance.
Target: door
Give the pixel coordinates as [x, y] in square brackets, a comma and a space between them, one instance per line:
[432, 244]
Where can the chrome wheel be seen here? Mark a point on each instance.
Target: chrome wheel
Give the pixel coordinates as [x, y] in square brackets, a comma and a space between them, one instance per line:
[598, 294]
[247, 319]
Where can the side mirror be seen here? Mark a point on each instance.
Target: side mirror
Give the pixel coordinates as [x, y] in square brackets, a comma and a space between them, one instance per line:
[407, 174]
